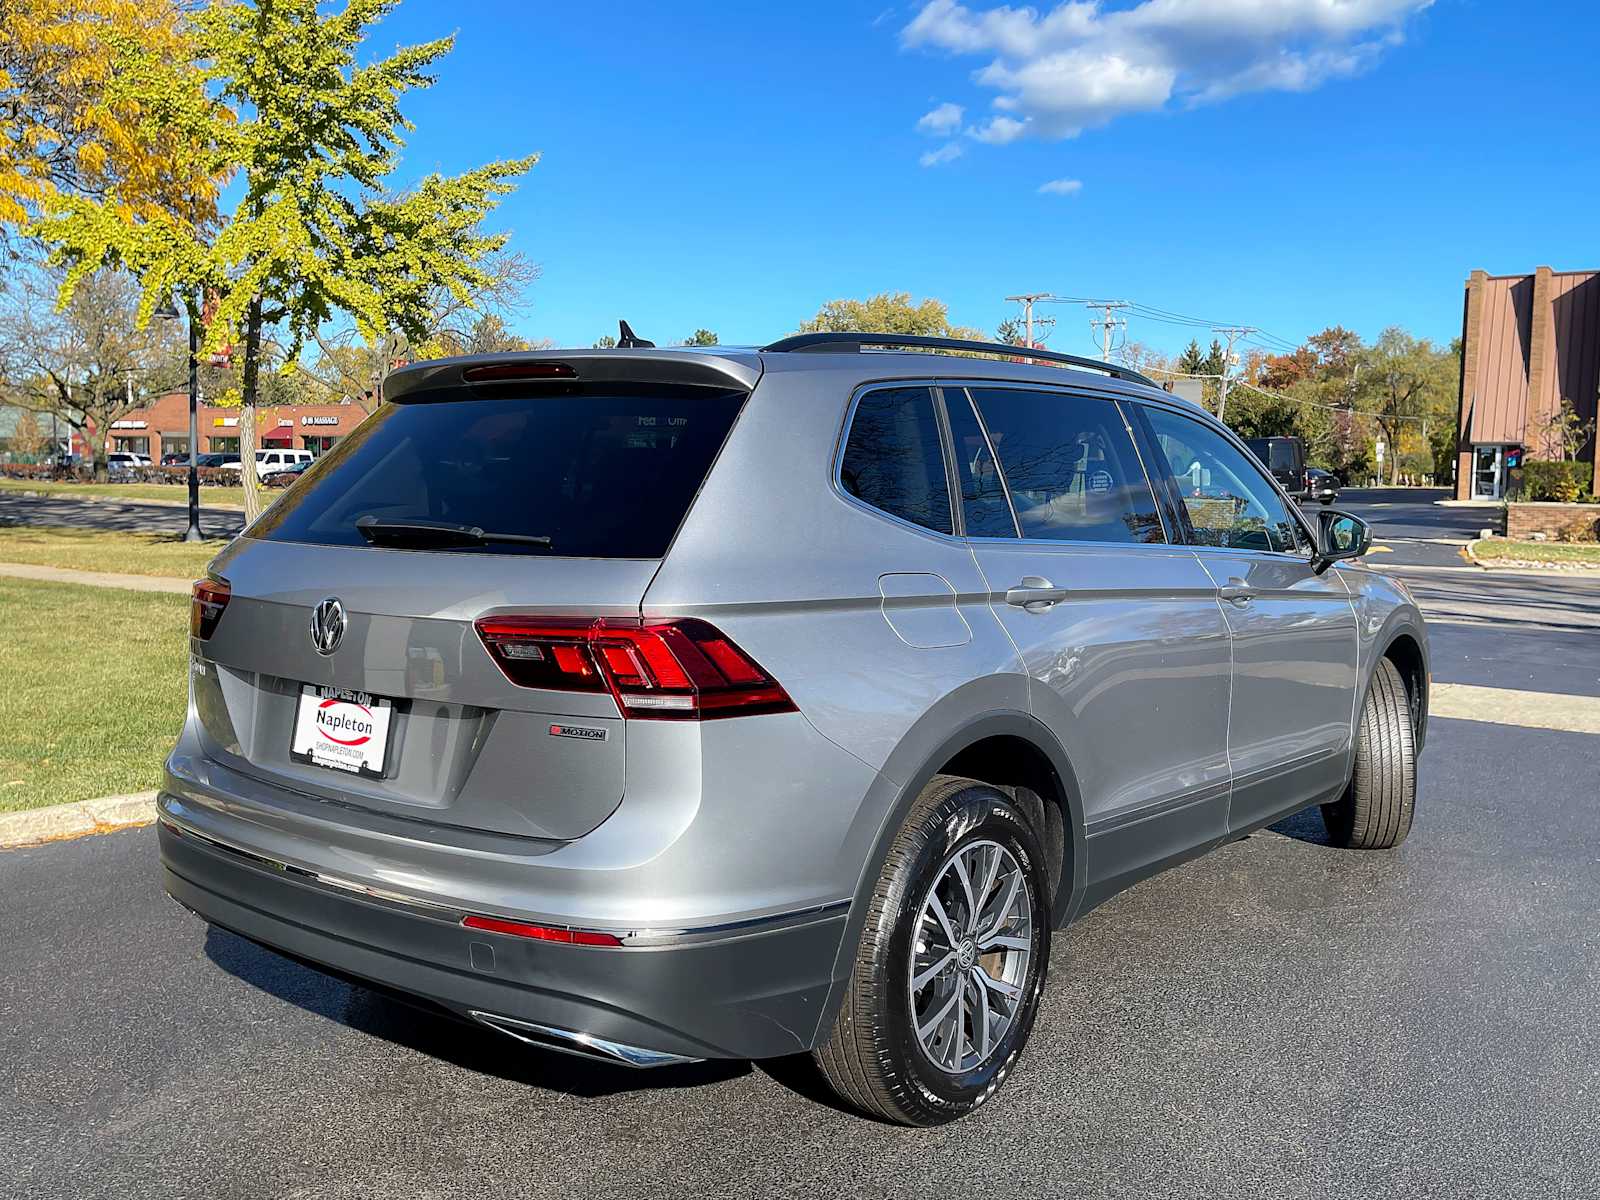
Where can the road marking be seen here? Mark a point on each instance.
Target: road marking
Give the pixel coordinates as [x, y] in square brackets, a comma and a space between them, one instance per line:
[1508, 706]
[1380, 549]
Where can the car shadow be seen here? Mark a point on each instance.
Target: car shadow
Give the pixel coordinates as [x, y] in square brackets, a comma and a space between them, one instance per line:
[1304, 826]
[419, 1026]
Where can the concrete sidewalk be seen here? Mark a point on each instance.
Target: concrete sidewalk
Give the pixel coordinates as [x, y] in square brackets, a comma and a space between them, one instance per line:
[106, 579]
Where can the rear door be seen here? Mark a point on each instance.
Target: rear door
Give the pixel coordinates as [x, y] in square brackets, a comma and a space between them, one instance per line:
[605, 472]
[1293, 630]
[1117, 627]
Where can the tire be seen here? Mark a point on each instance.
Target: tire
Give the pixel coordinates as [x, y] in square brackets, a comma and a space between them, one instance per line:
[874, 1058]
[1376, 809]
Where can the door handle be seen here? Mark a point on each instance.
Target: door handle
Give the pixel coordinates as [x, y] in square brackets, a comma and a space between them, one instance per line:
[1237, 592]
[1035, 594]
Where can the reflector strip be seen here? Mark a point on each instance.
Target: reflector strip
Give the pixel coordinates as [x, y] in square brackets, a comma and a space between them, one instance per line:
[542, 933]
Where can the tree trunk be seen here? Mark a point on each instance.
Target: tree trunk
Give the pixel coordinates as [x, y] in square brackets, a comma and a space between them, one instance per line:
[249, 377]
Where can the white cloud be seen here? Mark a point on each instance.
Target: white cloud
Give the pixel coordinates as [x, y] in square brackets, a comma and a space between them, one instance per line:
[1080, 65]
[997, 131]
[941, 120]
[1061, 187]
[948, 152]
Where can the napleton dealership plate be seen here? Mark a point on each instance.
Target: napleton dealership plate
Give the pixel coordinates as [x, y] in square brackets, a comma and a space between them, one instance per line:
[347, 731]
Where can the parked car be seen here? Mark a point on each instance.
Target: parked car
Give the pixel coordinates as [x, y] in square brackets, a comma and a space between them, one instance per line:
[284, 476]
[1321, 486]
[270, 461]
[216, 460]
[1285, 457]
[659, 705]
[124, 464]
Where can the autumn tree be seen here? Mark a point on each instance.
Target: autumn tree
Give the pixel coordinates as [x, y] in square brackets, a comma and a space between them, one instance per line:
[88, 364]
[318, 228]
[889, 312]
[75, 109]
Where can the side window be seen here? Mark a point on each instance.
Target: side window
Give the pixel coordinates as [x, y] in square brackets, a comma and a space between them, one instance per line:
[893, 459]
[1228, 500]
[983, 497]
[1070, 466]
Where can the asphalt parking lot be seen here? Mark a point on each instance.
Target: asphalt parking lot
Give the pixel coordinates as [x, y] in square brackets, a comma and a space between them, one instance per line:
[1277, 1019]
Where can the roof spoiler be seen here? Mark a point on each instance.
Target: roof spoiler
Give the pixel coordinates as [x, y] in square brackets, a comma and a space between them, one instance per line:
[854, 343]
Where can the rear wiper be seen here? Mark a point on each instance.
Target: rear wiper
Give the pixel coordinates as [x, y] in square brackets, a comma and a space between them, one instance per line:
[439, 533]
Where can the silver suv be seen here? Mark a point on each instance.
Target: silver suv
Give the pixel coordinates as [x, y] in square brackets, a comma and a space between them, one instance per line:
[658, 705]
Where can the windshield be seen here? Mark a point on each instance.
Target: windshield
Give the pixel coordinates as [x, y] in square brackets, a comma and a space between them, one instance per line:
[580, 474]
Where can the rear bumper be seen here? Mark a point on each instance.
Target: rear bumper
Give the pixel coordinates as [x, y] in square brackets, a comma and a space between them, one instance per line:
[754, 990]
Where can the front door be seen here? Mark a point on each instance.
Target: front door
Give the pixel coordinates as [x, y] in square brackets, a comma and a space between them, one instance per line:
[1117, 628]
[1487, 476]
[1293, 630]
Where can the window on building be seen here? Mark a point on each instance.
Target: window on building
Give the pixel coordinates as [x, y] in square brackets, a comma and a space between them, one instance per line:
[224, 445]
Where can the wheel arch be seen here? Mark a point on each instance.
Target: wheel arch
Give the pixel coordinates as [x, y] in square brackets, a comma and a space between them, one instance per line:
[1403, 646]
[1015, 751]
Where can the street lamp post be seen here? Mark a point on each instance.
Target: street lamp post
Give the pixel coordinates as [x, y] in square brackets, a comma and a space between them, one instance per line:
[169, 310]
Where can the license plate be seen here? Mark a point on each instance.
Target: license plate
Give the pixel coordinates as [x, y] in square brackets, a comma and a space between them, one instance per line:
[346, 731]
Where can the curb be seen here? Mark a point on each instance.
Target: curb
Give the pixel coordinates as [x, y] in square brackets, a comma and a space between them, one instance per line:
[1576, 571]
[59, 822]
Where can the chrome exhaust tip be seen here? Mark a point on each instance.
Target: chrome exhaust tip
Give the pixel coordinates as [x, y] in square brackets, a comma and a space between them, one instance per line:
[584, 1045]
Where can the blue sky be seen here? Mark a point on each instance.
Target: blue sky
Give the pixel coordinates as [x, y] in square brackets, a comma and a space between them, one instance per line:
[1286, 165]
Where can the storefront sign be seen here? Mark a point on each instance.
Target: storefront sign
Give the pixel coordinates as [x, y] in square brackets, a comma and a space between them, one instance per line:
[319, 420]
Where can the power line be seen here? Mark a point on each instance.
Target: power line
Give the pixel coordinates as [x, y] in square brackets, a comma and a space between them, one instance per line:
[1339, 408]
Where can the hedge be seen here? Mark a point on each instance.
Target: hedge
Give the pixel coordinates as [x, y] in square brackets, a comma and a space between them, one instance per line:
[1562, 482]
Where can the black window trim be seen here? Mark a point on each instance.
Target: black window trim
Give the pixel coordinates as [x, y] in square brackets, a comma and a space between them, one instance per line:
[1227, 435]
[1114, 399]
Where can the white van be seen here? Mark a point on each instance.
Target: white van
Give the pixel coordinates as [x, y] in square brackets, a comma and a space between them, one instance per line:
[269, 462]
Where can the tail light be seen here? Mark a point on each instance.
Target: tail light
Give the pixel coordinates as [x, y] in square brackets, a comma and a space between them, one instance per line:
[683, 670]
[209, 598]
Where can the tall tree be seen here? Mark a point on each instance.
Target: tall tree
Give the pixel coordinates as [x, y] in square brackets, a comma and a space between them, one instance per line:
[1406, 383]
[318, 228]
[701, 337]
[88, 364]
[888, 312]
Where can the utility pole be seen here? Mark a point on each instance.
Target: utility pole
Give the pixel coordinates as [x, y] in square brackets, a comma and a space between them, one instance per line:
[1107, 325]
[1233, 333]
[1028, 300]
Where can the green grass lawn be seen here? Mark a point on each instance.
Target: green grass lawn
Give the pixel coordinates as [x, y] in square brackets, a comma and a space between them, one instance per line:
[219, 496]
[103, 550]
[1491, 550]
[95, 690]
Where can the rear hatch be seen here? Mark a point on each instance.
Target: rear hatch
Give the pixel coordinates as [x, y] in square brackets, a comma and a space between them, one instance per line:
[344, 662]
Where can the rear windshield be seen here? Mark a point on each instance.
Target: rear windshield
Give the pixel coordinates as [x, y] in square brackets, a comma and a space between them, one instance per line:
[1277, 453]
[602, 475]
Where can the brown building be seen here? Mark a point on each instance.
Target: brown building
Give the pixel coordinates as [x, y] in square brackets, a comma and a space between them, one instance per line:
[163, 427]
[1528, 343]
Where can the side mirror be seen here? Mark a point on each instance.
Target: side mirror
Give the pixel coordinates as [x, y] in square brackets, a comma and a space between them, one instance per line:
[1340, 536]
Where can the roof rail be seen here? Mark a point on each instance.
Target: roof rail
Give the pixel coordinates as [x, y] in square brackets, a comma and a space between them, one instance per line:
[854, 343]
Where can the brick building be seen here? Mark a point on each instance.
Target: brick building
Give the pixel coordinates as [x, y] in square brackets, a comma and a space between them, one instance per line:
[163, 427]
[1528, 343]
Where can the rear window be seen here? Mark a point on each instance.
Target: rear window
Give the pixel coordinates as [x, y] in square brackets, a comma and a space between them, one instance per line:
[1278, 454]
[602, 475]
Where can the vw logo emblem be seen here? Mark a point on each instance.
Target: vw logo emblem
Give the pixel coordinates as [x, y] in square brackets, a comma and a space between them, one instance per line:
[327, 625]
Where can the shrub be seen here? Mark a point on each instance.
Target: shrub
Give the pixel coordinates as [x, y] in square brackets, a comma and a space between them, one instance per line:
[1563, 482]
